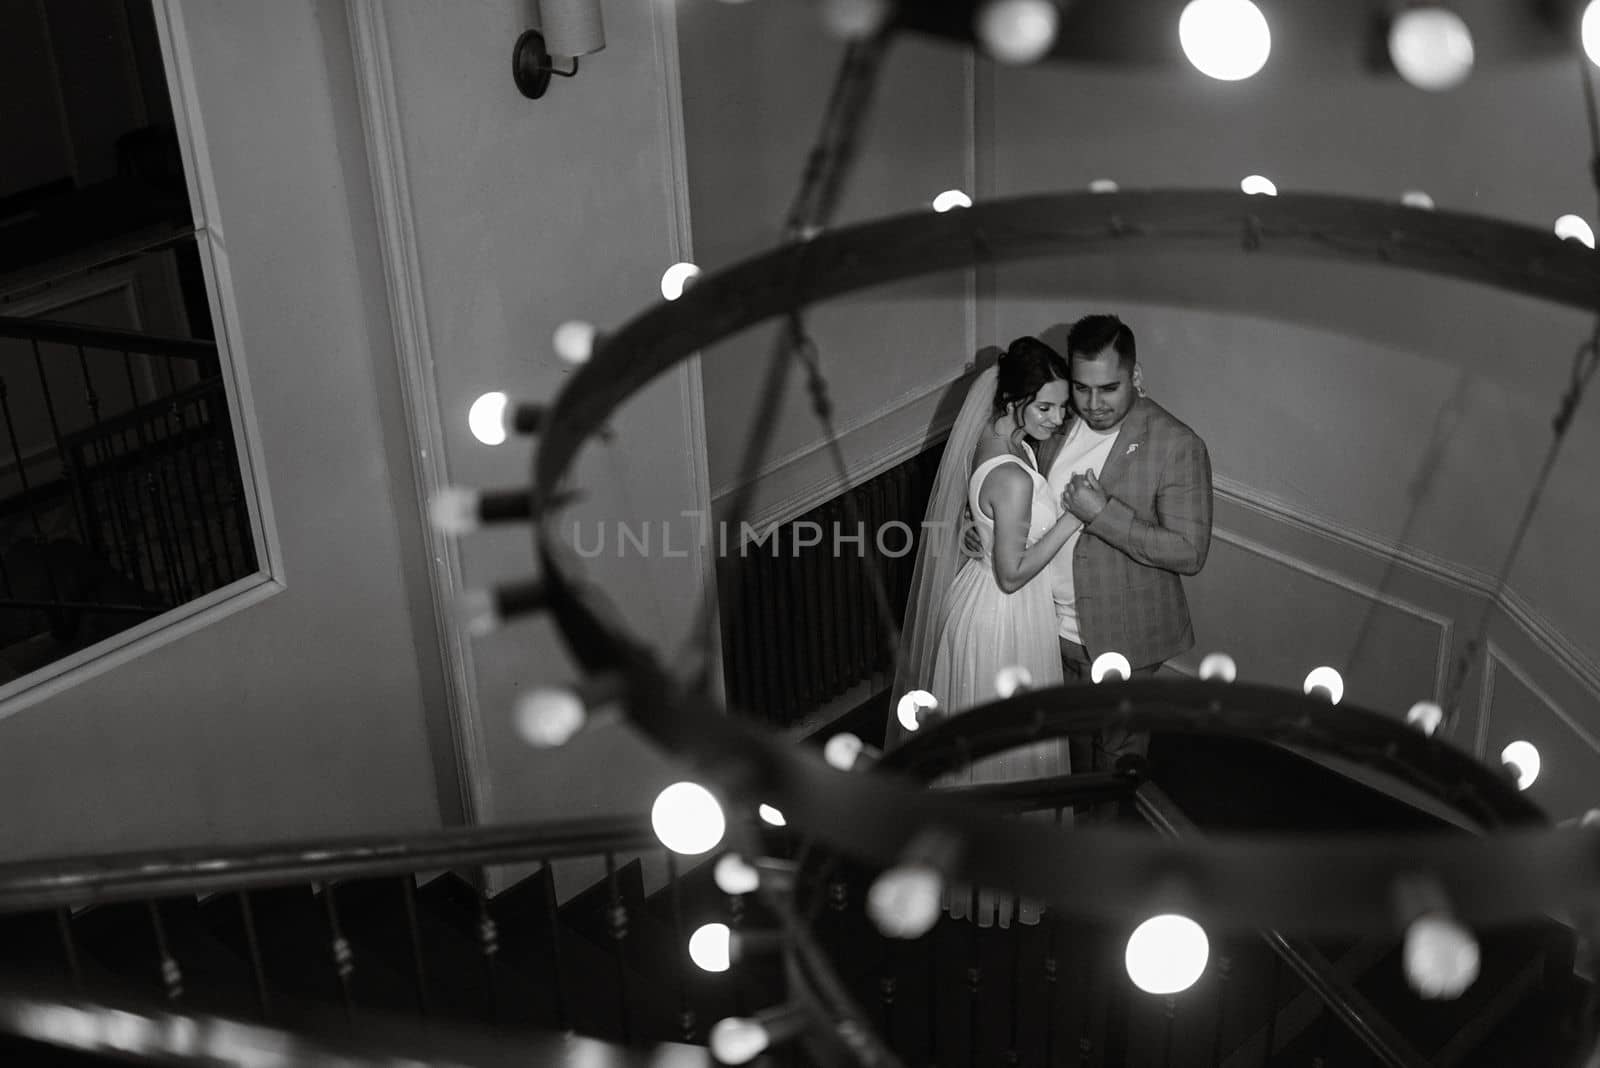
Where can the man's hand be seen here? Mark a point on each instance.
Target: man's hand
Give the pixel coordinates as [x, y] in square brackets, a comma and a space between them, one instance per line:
[1083, 497]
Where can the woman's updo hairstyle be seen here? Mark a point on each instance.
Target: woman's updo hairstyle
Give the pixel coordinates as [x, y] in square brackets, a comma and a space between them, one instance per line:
[1024, 368]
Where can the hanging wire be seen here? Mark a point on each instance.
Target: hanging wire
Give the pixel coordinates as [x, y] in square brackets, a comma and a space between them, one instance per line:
[826, 168]
[1584, 362]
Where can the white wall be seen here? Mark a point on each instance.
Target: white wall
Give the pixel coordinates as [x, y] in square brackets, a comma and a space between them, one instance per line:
[528, 213]
[305, 713]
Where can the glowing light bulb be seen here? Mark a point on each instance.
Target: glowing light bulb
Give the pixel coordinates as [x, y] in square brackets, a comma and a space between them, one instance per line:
[842, 751]
[1416, 198]
[1440, 957]
[1166, 954]
[1008, 681]
[771, 816]
[1219, 666]
[708, 947]
[1228, 40]
[487, 418]
[734, 875]
[904, 901]
[454, 509]
[1256, 185]
[549, 716]
[1102, 185]
[687, 818]
[1590, 31]
[914, 707]
[737, 1040]
[1590, 818]
[1431, 47]
[1326, 680]
[854, 20]
[1425, 716]
[1574, 228]
[1112, 667]
[675, 279]
[1524, 759]
[574, 341]
[1018, 32]
[950, 199]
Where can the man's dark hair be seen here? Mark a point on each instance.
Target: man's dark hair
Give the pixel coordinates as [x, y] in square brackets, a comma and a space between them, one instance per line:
[1093, 334]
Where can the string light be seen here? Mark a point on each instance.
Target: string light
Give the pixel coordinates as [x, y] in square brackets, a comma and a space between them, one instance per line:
[574, 341]
[1441, 957]
[1426, 716]
[486, 418]
[915, 708]
[687, 819]
[1256, 185]
[1103, 185]
[1225, 39]
[1219, 666]
[951, 199]
[740, 1039]
[1575, 228]
[708, 947]
[1110, 667]
[1011, 680]
[1018, 32]
[461, 510]
[1324, 682]
[1166, 954]
[845, 751]
[1522, 760]
[1589, 30]
[771, 816]
[1431, 47]
[1416, 198]
[675, 279]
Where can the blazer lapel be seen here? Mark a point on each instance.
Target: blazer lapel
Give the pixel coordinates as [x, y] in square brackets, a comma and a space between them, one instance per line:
[1132, 433]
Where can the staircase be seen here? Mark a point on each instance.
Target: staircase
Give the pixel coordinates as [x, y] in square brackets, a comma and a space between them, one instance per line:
[343, 939]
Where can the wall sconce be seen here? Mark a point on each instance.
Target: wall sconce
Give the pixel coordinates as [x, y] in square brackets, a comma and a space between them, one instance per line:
[569, 28]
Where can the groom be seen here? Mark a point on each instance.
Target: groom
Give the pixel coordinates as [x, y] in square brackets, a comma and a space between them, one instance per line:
[1140, 481]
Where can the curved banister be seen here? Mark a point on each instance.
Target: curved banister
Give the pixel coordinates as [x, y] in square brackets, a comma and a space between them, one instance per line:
[74, 881]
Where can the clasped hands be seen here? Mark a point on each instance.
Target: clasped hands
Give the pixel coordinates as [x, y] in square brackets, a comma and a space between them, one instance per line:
[1083, 497]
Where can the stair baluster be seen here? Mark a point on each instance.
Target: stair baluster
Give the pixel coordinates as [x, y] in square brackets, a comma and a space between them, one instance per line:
[69, 948]
[343, 959]
[489, 944]
[680, 942]
[171, 974]
[617, 925]
[408, 890]
[253, 946]
[1224, 973]
[553, 925]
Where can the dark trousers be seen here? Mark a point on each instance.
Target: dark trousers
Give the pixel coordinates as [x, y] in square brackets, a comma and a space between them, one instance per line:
[1099, 750]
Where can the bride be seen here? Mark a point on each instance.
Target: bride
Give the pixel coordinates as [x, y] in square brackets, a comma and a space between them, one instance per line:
[969, 617]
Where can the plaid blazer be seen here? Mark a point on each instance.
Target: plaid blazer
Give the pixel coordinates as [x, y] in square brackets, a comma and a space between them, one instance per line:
[1155, 527]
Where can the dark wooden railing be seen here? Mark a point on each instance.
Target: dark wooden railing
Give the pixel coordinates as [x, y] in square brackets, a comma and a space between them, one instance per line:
[802, 626]
[120, 490]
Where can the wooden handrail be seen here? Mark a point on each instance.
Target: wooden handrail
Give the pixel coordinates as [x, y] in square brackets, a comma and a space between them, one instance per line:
[144, 1032]
[99, 337]
[32, 885]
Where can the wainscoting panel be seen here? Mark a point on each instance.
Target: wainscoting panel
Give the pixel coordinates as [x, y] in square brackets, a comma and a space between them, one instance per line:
[1280, 615]
[1524, 697]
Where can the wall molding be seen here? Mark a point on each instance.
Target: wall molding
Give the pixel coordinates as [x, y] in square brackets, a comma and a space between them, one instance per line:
[1495, 655]
[385, 150]
[1445, 624]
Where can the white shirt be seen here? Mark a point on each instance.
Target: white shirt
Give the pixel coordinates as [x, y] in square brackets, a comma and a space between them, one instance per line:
[1085, 449]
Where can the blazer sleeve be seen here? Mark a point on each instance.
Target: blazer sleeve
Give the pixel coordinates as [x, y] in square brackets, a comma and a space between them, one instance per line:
[1180, 537]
